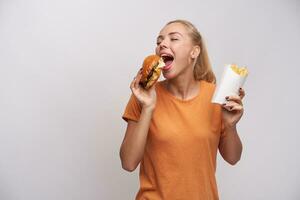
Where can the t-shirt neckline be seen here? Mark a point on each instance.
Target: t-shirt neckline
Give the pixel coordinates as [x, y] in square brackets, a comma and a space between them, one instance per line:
[180, 100]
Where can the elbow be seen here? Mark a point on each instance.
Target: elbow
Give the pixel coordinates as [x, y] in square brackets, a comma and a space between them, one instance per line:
[129, 167]
[128, 164]
[232, 157]
[233, 161]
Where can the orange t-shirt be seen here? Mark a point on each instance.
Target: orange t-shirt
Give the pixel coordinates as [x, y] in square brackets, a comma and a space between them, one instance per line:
[179, 161]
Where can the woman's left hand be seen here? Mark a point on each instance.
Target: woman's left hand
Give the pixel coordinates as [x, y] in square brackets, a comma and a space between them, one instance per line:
[233, 109]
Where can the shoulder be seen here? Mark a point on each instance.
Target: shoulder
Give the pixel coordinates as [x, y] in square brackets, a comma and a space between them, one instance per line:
[207, 86]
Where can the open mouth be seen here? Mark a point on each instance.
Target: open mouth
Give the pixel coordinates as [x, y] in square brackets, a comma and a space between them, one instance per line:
[168, 59]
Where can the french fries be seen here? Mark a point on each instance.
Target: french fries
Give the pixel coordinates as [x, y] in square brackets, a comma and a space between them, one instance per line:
[242, 71]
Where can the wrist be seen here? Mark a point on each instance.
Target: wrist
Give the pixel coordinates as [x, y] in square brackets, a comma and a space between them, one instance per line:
[148, 108]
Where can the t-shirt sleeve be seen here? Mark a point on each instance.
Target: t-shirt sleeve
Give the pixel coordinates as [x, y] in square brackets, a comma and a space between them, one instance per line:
[219, 110]
[132, 110]
[223, 134]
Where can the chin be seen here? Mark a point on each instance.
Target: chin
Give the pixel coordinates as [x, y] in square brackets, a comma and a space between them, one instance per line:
[169, 75]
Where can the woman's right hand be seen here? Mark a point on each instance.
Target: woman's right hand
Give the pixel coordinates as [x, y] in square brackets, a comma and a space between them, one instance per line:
[146, 98]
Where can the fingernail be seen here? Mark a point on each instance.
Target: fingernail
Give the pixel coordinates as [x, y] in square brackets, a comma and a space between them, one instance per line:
[226, 98]
[240, 88]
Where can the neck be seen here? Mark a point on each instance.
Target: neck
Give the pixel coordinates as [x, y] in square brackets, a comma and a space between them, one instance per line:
[183, 88]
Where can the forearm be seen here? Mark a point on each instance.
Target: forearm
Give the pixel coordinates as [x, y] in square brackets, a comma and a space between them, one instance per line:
[230, 146]
[132, 148]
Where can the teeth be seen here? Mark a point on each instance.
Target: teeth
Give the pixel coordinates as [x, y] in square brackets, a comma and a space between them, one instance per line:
[166, 55]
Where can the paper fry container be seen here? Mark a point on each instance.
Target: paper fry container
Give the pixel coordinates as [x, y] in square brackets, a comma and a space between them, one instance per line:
[229, 85]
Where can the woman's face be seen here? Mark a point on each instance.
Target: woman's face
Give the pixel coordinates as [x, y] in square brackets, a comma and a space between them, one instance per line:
[175, 46]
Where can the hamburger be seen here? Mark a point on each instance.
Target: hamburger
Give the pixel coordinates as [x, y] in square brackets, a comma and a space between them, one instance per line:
[151, 71]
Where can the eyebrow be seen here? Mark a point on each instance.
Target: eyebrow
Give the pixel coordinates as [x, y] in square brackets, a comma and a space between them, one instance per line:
[171, 33]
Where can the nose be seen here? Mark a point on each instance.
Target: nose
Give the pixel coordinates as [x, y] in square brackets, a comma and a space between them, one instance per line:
[162, 45]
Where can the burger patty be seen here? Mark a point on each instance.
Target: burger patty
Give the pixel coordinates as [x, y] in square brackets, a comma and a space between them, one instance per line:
[144, 83]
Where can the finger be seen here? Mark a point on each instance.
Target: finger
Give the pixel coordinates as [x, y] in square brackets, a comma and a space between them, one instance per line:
[132, 84]
[242, 93]
[233, 108]
[136, 77]
[237, 108]
[139, 72]
[137, 80]
[230, 105]
[234, 98]
[228, 108]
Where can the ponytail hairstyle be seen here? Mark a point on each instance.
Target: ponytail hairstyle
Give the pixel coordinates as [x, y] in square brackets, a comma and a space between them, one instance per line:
[202, 69]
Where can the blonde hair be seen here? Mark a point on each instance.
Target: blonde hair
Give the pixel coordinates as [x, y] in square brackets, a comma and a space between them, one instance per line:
[202, 69]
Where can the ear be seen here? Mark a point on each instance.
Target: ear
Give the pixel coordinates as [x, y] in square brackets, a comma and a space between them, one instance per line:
[195, 52]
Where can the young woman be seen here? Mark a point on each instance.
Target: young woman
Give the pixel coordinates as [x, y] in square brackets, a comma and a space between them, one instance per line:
[173, 130]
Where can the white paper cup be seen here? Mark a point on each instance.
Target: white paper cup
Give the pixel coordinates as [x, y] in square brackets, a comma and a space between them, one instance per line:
[229, 85]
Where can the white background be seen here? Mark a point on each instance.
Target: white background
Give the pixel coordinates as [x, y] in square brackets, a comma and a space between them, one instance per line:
[65, 69]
